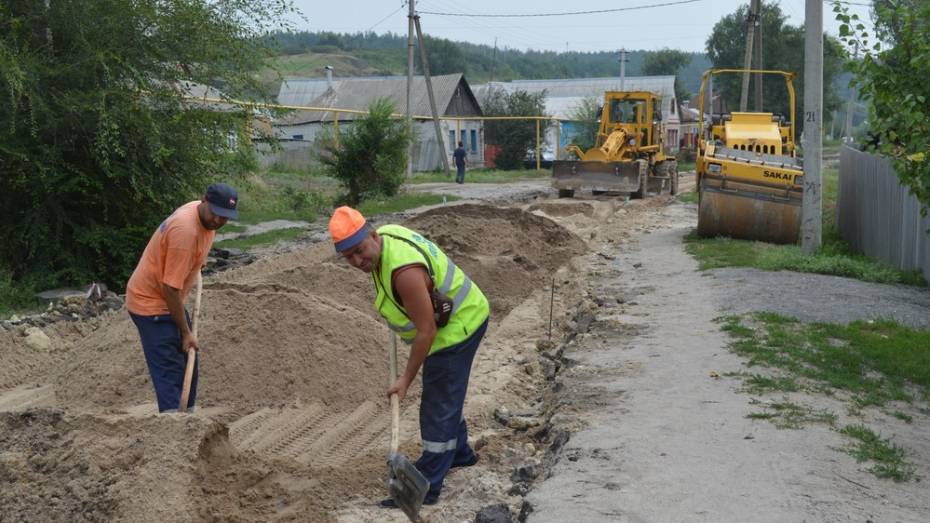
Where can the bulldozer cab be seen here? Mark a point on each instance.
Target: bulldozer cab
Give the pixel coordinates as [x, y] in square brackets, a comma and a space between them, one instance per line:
[627, 156]
[634, 112]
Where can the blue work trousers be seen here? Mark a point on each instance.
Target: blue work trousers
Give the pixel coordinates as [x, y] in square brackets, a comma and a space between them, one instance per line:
[161, 344]
[442, 421]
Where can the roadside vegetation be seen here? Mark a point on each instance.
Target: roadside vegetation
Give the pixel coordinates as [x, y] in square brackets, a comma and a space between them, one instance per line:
[99, 142]
[879, 364]
[834, 256]
[278, 194]
[264, 238]
[482, 176]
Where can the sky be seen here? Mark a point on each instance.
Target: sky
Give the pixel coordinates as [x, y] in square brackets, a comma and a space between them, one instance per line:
[685, 27]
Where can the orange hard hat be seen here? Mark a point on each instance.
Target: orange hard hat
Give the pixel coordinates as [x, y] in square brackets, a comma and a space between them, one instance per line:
[347, 227]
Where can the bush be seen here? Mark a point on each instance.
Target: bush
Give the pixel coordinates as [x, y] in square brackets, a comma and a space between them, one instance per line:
[99, 144]
[370, 157]
[585, 123]
[514, 137]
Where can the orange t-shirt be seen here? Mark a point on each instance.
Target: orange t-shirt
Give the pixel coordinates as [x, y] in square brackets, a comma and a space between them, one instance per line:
[174, 255]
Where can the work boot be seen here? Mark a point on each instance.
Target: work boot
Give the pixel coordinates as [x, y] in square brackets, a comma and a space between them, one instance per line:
[431, 499]
[469, 463]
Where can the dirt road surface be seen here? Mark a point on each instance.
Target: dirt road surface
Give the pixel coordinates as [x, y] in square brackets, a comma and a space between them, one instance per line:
[664, 439]
[590, 399]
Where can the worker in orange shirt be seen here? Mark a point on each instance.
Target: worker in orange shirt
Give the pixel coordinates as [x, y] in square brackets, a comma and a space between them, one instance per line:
[158, 287]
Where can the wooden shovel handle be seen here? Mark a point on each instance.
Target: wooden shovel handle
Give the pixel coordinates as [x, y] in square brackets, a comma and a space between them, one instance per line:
[191, 353]
[395, 400]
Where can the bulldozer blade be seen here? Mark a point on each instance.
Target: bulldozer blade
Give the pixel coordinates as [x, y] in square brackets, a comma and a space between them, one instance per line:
[749, 212]
[407, 486]
[597, 176]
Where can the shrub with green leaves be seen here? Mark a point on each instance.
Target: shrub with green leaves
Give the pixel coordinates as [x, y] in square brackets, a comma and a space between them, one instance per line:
[515, 137]
[97, 141]
[892, 77]
[370, 156]
[585, 124]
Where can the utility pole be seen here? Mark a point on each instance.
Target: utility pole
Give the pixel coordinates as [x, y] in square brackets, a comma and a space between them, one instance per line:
[48, 25]
[424, 64]
[622, 68]
[758, 47]
[410, 16]
[812, 209]
[493, 60]
[747, 57]
[847, 134]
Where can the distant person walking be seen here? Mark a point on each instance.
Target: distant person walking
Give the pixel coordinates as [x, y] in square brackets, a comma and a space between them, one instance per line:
[158, 287]
[460, 155]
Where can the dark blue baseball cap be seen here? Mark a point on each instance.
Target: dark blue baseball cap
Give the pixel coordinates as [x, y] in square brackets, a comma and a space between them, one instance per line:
[223, 200]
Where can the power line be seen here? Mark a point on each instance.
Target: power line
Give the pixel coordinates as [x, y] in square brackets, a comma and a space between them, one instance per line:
[569, 13]
[388, 16]
[529, 39]
[845, 2]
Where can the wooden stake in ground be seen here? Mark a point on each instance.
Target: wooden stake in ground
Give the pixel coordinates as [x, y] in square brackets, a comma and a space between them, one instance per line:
[191, 354]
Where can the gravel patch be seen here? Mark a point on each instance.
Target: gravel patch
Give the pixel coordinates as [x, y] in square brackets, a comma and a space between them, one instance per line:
[819, 297]
[489, 192]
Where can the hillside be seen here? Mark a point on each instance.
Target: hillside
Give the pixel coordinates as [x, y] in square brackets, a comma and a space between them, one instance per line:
[305, 54]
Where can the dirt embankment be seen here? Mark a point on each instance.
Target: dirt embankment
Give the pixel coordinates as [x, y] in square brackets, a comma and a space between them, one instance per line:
[291, 421]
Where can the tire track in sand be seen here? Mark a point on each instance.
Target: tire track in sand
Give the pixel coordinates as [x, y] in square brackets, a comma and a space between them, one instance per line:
[314, 435]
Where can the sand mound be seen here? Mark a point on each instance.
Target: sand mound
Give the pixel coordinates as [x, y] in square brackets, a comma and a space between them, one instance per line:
[262, 347]
[294, 359]
[59, 468]
[509, 253]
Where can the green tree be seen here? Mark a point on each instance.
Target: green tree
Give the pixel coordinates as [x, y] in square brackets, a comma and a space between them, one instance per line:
[667, 61]
[371, 155]
[892, 78]
[585, 122]
[97, 142]
[783, 46]
[445, 56]
[515, 137]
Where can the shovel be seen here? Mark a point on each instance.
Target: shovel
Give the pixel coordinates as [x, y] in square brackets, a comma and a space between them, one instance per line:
[191, 354]
[406, 485]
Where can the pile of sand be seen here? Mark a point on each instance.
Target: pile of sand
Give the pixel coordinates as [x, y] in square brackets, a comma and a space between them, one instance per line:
[55, 467]
[285, 339]
[509, 253]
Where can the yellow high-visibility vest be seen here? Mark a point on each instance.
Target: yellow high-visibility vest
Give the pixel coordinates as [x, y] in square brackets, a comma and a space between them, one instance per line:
[401, 246]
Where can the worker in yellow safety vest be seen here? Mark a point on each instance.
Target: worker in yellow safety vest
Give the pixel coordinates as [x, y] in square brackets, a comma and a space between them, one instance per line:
[434, 306]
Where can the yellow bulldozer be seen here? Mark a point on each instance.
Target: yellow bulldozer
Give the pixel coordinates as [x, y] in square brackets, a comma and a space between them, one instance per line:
[627, 156]
[749, 178]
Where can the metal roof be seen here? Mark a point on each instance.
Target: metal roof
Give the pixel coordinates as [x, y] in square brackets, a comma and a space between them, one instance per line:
[581, 87]
[564, 95]
[358, 93]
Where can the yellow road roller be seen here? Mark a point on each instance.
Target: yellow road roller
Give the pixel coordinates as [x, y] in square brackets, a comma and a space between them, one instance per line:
[749, 177]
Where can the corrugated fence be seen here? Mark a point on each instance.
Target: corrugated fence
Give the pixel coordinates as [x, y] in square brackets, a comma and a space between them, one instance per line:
[878, 216]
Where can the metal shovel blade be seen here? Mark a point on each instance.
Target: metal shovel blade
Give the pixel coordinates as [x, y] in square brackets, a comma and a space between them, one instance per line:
[407, 486]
